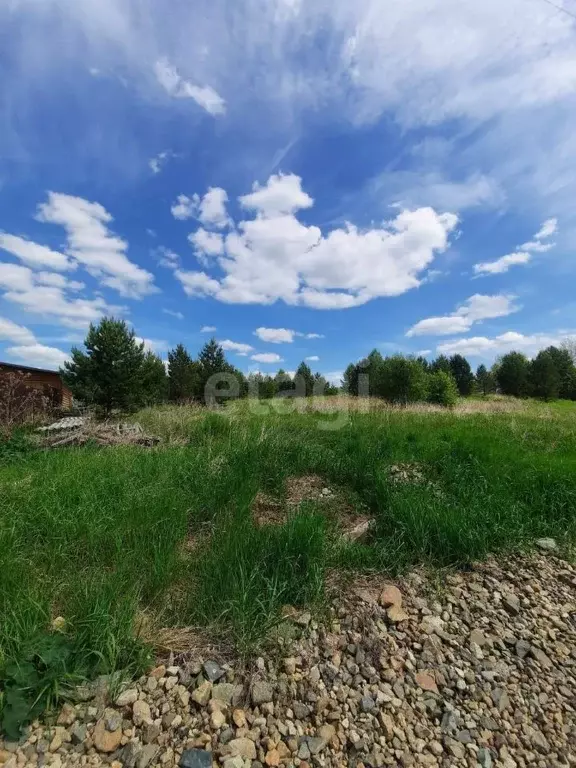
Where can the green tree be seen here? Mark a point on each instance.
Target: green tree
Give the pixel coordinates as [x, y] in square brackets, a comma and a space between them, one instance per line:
[566, 371]
[154, 380]
[304, 379]
[108, 374]
[485, 380]
[463, 376]
[350, 380]
[442, 389]
[212, 362]
[544, 377]
[441, 364]
[283, 381]
[182, 374]
[512, 374]
[402, 380]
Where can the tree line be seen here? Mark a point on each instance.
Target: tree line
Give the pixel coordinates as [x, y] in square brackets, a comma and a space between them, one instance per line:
[116, 372]
[398, 378]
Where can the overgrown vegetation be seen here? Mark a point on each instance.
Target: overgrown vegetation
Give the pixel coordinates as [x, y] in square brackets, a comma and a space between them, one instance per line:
[104, 537]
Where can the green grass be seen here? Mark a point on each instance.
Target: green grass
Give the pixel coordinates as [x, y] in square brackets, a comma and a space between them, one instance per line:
[96, 535]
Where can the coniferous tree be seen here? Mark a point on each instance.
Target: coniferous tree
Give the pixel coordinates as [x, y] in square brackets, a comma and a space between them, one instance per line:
[182, 374]
[544, 377]
[154, 380]
[108, 374]
[485, 380]
[463, 376]
[441, 364]
[304, 379]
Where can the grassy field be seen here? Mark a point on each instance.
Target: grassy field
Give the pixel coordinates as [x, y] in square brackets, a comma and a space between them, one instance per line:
[124, 542]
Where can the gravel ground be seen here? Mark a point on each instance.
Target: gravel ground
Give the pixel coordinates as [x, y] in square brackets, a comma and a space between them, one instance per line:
[475, 668]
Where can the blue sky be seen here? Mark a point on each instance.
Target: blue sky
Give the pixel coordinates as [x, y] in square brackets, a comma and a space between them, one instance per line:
[310, 179]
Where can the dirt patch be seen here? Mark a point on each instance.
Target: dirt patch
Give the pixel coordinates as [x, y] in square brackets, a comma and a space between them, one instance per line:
[407, 473]
[353, 526]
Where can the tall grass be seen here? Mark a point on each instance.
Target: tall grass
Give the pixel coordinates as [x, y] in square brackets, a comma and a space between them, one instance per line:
[96, 536]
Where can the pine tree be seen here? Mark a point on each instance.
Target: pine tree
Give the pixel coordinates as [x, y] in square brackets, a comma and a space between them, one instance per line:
[485, 380]
[463, 376]
[108, 374]
[211, 362]
[441, 364]
[350, 380]
[182, 374]
[154, 380]
[283, 381]
[304, 380]
[544, 376]
[564, 365]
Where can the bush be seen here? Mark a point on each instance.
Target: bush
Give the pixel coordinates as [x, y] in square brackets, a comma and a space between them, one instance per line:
[442, 389]
[401, 380]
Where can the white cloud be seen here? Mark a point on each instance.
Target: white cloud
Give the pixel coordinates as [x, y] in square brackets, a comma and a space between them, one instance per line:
[313, 335]
[275, 335]
[282, 194]
[157, 163]
[91, 243]
[177, 315]
[473, 310]
[312, 358]
[234, 346]
[17, 334]
[207, 243]
[276, 257]
[210, 210]
[424, 352]
[483, 346]
[205, 96]
[208, 329]
[153, 345]
[50, 301]
[185, 207]
[548, 228]
[502, 264]
[334, 377]
[524, 255]
[33, 254]
[266, 357]
[38, 356]
[167, 258]
[14, 277]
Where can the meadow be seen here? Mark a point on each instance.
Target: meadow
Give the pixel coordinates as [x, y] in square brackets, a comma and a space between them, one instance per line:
[107, 553]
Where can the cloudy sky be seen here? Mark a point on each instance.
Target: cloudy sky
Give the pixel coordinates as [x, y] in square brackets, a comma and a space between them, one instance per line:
[299, 178]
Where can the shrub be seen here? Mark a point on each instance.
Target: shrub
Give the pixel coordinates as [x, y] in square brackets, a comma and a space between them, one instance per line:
[442, 389]
[20, 404]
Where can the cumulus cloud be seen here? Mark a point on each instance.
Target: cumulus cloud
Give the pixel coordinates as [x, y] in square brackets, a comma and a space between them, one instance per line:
[210, 209]
[266, 357]
[38, 356]
[94, 246]
[33, 254]
[483, 346]
[473, 310]
[17, 334]
[275, 335]
[274, 256]
[235, 346]
[207, 243]
[205, 96]
[522, 256]
[27, 349]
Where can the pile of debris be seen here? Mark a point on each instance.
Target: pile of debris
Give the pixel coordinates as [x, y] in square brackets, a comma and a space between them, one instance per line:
[75, 431]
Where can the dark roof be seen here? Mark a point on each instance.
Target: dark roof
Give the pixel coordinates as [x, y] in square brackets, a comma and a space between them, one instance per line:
[16, 367]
